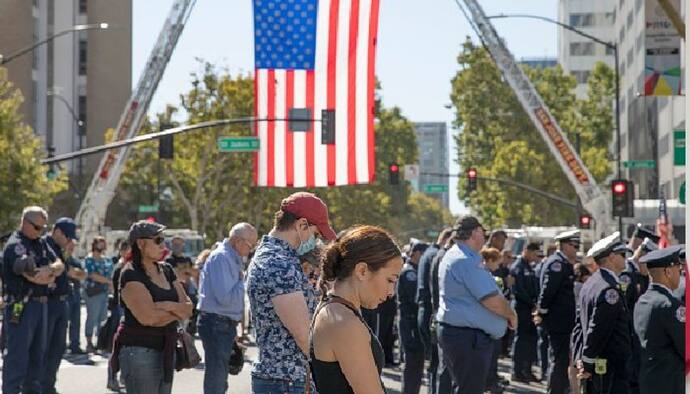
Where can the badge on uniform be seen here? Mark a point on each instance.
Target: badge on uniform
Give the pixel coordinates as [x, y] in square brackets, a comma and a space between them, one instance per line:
[411, 276]
[680, 314]
[600, 366]
[625, 282]
[612, 296]
[19, 249]
[556, 267]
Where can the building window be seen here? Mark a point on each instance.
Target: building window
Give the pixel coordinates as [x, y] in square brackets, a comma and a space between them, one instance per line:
[620, 4]
[621, 36]
[622, 105]
[609, 18]
[630, 19]
[638, 6]
[82, 109]
[624, 140]
[638, 41]
[622, 68]
[581, 48]
[631, 94]
[582, 20]
[630, 56]
[581, 76]
[82, 6]
[663, 146]
[609, 51]
[82, 57]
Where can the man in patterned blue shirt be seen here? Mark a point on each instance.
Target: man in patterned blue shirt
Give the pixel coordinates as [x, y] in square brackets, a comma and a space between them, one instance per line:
[281, 298]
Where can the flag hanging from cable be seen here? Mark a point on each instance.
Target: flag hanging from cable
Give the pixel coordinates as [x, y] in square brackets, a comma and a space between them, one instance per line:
[314, 59]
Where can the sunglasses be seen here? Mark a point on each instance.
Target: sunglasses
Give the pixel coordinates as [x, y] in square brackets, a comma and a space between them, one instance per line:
[156, 240]
[36, 226]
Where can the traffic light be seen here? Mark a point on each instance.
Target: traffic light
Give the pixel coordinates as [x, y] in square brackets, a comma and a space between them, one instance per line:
[166, 147]
[622, 198]
[585, 222]
[471, 179]
[52, 173]
[394, 174]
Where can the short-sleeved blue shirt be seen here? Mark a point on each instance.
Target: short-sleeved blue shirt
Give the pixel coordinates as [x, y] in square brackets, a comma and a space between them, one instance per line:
[463, 284]
[275, 270]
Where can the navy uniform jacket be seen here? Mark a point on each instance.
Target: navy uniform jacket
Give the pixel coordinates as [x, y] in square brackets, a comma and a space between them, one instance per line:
[526, 285]
[660, 325]
[61, 287]
[407, 292]
[556, 303]
[433, 278]
[604, 323]
[18, 246]
[423, 297]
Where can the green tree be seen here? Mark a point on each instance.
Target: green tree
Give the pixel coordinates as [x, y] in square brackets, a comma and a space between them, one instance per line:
[207, 190]
[23, 179]
[499, 139]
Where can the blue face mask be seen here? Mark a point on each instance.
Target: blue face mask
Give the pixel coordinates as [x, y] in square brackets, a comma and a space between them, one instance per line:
[306, 246]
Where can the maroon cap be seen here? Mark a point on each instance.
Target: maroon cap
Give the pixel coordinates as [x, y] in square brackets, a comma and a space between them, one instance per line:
[308, 206]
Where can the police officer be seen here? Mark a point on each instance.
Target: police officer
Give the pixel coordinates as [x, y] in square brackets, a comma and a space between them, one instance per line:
[412, 345]
[634, 282]
[441, 382]
[63, 234]
[604, 322]
[556, 306]
[542, 338]
[660, 325]
[29, 267]
[525, 291]
[75, 275]
[472, 311]
[425, 308]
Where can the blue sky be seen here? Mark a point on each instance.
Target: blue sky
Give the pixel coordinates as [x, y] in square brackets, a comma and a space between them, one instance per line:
[418, 44]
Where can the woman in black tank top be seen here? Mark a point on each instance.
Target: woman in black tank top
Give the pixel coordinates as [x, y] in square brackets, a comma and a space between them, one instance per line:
[363, 266]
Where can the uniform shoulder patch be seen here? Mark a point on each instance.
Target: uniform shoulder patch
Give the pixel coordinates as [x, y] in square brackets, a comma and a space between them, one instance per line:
[19, 249]
[411, 275]
[611, 296]
[625, 279]
[680, 314]
[556, 266]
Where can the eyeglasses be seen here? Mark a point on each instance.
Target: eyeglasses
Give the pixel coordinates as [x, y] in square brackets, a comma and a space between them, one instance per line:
[252, 246]
[36, 226]
[156, 240]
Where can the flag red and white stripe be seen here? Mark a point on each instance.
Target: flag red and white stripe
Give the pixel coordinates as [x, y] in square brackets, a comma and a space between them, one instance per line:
[343, 80]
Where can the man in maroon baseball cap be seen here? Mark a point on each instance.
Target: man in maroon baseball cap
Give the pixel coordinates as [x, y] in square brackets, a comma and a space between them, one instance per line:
[280, 295]
[308, 206]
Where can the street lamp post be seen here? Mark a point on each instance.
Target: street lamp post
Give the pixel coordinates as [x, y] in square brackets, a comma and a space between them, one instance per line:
[73, 29]
[80, 132]
[611, 45]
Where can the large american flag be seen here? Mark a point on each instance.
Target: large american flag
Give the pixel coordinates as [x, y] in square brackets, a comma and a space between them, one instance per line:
[315, 55]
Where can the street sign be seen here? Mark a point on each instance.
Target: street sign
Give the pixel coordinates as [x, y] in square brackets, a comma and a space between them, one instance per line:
[148, 208]
[411, 172]
[435, 188]
[238, 144]
[639, 164]
[681, 194]
[679, 147]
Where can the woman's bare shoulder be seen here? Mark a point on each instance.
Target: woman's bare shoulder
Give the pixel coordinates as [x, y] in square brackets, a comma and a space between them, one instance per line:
[340, 321]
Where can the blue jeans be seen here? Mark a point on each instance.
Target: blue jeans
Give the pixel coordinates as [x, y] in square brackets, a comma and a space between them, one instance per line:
[142, 369]
[466, 353]
[217, 335]
[25, 349]
[56, 342]
[272, 386]
[74, 318]
[96, 313]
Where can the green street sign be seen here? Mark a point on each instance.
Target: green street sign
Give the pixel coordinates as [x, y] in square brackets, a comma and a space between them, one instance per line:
[238, 144]
[639, 164]
[679, 147]
[435, 188]
[681, 194]
[432, 233]
[148, 208]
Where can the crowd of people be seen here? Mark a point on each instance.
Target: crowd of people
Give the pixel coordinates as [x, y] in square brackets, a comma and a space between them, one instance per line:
[323, 308]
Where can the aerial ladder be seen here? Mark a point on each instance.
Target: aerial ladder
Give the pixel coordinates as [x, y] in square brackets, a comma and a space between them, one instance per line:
[591, 196]
[92, 212]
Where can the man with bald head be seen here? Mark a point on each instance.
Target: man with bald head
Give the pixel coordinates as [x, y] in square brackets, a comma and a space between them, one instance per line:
[221, 303]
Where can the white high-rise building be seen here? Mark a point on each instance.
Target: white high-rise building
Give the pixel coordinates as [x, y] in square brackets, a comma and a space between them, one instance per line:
[577, 54]
[432, 142]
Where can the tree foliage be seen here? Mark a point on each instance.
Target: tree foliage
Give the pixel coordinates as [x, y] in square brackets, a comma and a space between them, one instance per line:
[23, 179]
[498, 138]
[207, 190]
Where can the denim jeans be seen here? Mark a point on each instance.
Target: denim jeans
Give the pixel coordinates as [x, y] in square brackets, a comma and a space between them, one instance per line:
[217, 336]
[96, 313]
[142, 369]
[74, 318]
[271, 386]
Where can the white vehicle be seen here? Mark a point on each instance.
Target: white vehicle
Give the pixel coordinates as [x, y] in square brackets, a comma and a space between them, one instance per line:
[518, 238]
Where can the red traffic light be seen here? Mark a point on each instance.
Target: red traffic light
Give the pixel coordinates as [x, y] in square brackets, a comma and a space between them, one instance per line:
[619, 187]
[472, 173]
[585, 221]
[394, 168]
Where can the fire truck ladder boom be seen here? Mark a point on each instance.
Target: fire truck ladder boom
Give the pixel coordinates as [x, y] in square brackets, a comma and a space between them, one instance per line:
[591, 196]
[91, 214]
